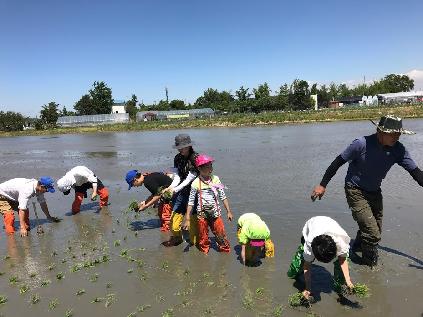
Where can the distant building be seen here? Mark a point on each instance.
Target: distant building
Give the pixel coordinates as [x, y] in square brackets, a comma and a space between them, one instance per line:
[401, 97]
[175, 114]
[119, 107]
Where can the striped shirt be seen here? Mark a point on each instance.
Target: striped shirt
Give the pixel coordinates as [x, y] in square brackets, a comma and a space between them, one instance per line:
[207, 194]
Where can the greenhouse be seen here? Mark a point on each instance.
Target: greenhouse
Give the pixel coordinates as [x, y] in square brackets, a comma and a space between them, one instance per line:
[72, 121]
[175, 114]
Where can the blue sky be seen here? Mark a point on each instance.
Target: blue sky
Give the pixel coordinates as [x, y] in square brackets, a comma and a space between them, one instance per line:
[55, 50]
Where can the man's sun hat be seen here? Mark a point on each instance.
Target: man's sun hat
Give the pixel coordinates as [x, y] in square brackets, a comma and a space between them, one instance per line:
[48, 183]
[203, 159]
[257, 243]
[130, 176]
[181, 141]
[391, 124]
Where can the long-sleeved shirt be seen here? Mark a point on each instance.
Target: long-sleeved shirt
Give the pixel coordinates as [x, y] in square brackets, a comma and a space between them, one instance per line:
[21, 190]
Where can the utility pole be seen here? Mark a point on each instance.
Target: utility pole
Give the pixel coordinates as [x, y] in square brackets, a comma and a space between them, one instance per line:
[167, 95]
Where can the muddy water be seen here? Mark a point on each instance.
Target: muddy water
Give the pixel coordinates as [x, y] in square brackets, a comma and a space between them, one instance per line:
[117, 264]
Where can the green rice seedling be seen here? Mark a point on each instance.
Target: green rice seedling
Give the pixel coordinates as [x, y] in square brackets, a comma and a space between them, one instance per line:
[60, 276]
[247, 301]
[260, 291]
[75, 268]
[2, 273]
[97, 300]
[32, 275]
[165, 265]
[277, 312]
[143, 308]
[297, 299]
[64, 260]
[187, 272]
[13, 280]
[133, 206]
[168, 313]
[69, 313]
[35, 298]
[116, 243]
[361, 290]
[94, 278]
[45, 282]
[80, 292]
[110, 299]
[51, 267]
[23, 289]
[54, 253]
[53, 304]
[130, 271]
[6, 257]
[109, 285]
[133, 314]
[124, 253]
[3, 299]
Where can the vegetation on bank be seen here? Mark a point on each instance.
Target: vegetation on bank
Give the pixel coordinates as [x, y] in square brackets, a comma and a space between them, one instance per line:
[242, 119]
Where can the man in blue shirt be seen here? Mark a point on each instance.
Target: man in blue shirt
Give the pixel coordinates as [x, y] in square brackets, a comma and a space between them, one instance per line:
[370, 158]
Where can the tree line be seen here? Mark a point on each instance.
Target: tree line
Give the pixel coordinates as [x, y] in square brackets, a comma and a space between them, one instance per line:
[295, 96]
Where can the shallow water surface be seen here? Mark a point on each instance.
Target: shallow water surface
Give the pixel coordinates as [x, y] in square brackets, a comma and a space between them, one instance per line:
[111, 263]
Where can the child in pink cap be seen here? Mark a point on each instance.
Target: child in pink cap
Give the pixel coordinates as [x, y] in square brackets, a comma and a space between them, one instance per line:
[207, 188]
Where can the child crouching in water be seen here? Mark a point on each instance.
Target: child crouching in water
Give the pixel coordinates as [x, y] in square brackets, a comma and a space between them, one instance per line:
[254, 238]
[207, 188]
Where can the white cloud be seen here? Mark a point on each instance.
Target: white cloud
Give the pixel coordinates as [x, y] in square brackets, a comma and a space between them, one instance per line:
[417, 75]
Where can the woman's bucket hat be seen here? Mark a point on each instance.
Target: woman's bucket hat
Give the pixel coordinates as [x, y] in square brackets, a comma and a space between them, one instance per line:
[181, 141]
[391, 124]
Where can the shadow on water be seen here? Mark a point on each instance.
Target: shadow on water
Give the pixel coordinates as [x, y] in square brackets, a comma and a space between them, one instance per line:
[396, 252]
[86, 207]
[143, 225]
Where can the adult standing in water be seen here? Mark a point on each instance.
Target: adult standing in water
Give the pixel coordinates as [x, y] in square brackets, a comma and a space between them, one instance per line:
[370, 158]
[184, 162]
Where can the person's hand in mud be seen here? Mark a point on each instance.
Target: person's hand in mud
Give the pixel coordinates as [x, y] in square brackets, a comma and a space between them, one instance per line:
[141, 206]
[307, 294]
[24, 232]
[318, 192]
[54, 219]
[94, 196]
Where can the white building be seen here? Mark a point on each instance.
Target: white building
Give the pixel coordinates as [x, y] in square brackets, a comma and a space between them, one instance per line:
[119, 107]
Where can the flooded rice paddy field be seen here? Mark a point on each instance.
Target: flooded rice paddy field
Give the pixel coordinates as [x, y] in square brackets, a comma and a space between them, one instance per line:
[111, 263]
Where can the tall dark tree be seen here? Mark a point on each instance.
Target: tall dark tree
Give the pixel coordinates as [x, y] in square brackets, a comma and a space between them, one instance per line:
[177, 105]
[242, 94]
[85, 106]
[11, 121]
[397, 83]
[49, 114]
[131, 107]
[299, 97]
[102, 98]
[262, 91]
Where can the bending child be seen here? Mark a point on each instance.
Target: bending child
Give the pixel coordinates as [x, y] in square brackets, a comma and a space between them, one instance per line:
[156, 183]
[254, 238]
[207, 188]
[323, 239]
[81, 179]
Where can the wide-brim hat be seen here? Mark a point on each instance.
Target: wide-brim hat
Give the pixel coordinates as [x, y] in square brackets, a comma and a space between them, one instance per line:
[391, 124]
[181, 141]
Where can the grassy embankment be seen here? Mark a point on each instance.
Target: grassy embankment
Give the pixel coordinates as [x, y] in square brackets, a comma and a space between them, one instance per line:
[238, 120]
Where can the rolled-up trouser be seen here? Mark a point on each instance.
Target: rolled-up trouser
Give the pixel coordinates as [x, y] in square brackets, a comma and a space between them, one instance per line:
[164, 212]
[8, 208]
[217, 227]
[367, 211]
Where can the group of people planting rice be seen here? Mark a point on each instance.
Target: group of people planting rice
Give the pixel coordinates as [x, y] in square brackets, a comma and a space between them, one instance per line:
[189, 198]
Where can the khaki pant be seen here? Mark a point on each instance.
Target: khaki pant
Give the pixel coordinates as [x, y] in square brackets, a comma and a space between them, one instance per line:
[367, 211]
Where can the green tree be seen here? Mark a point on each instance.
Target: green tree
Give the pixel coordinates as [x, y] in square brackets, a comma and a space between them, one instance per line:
[242, 94]
[397, 83]
[283, 97]
[11, 121]
[177, 105]
[85, 106]
[102, 98]
[131, 107]
[299, 97]
[49, 114]
[262, 91]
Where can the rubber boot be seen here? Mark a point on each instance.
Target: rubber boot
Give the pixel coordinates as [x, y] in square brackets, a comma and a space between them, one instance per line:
[356, 247]
[9, 221]
[297, 262]
[370, 255]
